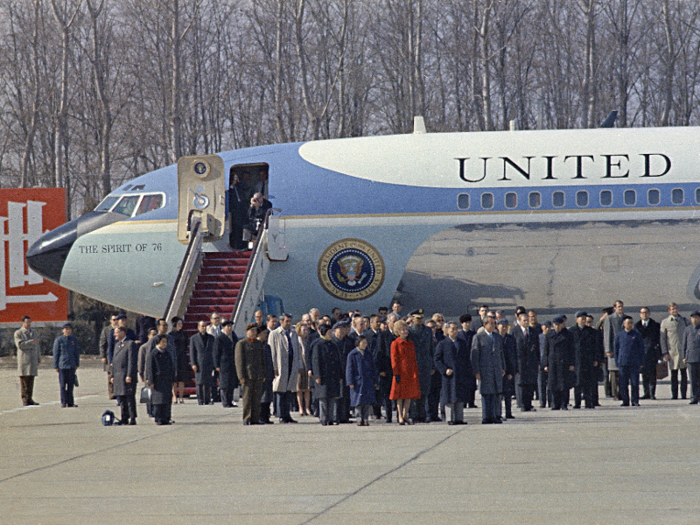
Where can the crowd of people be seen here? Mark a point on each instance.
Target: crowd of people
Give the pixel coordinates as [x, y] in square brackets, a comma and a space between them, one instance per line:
[385, 365]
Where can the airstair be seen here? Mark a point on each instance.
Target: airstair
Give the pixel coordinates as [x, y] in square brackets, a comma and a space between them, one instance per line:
[229, 283]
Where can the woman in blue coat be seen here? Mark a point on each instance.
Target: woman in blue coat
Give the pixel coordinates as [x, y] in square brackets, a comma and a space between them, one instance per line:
[361, 376]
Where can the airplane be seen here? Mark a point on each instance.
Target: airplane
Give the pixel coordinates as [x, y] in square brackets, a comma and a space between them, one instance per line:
[554, 219]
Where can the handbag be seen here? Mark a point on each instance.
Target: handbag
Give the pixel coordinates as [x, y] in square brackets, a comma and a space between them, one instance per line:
[661, 370]
[146, 394]
[76, 383]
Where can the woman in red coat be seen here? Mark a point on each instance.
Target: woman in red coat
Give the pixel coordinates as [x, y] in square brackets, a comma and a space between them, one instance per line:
[405, 385]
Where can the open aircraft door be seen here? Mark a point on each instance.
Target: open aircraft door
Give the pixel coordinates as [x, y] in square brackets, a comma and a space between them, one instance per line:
[201, 192]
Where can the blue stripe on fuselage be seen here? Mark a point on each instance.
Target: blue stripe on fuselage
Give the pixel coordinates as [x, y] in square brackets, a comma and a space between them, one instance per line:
[300, 188]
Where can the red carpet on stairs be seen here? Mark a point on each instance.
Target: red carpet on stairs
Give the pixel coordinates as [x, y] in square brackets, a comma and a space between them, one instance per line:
[219, 282]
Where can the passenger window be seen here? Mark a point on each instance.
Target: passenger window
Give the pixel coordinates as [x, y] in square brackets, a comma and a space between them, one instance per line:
[487, 201]
[534, 199]
[150, 203]
[630, 197]
[107, 204]
[126, 205]
[582, 199]
[463, 201]
[558, 199]
[677, 196]
[654, 197]
[606, 198]
[511, 200]
[697, 195]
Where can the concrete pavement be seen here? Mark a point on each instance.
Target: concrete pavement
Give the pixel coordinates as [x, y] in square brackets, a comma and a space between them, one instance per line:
[609, 465]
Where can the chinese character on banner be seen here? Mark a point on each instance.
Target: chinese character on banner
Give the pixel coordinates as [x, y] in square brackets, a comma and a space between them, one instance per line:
[26, 214]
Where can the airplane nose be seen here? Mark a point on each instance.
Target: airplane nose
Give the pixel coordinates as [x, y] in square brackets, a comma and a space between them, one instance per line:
[48, 255]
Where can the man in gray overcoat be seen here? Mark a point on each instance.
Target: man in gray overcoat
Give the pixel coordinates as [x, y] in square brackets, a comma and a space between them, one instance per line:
[124, 370]
[28, 358]
[287, 362]
[611, 327]
[488, 364]
[422, 338]
[672, 329]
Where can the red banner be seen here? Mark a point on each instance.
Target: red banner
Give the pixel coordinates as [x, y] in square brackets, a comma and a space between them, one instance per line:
[26, 214]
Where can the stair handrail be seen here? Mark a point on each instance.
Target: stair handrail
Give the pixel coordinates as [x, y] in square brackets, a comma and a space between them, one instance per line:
[254, 258]
[189, 261]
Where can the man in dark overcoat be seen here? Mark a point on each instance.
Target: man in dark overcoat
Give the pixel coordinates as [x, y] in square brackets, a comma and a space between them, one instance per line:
[250, 368]
[527, 352]
[328, 375]
[124, 370]
[651, 335]
[382, 360]
[160, 376]
[453, 362]
[588, 354]
[372, 335]
[422, 338]
[488, 364]
[509, 355]
[225, 363]
[466, 334]
[202, 361]
[559, 363]
[345, 345]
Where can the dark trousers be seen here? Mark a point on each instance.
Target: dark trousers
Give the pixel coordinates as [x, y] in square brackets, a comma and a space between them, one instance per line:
[649, 380]
[328, 410]
[417, 411]
[629, 377]
[264, 412]
[227, 397]
[282, 405]
[471, 392]
[66, 380]
[161, 413]
[204, 393]
[545, 394]
[694, 369]
[434, 396]
[252, 393]
[527, 391]
[584, 390]
[128, 406]
[384, 399]
[674, 383]
[488, 407]
[560, 399]
[27, 389]
[362, 411]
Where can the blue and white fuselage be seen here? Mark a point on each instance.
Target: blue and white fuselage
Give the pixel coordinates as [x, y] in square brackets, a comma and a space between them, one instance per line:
[394, 193]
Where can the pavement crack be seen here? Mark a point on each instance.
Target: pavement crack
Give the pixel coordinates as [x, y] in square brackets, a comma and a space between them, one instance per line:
[380, 477]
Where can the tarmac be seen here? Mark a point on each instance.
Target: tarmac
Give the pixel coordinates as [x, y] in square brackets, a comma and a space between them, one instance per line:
[604, 466]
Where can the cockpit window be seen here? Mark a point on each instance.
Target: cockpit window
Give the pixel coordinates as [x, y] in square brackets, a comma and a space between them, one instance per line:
[126, 205]
[107, 203]
[150, 203]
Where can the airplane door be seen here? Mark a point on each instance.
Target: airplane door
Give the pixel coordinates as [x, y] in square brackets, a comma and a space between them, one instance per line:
[201, 192]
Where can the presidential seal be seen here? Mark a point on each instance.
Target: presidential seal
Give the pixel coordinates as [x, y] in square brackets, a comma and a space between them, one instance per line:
[351, 270]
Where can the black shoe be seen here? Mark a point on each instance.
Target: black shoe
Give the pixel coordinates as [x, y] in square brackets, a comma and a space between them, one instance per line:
[693, 402]
[451, 423]
[117, 423]
[498, 422]
[63, 405]
[290, 420]
[577, 406]
[625, 405]
[132, 421]
[510, 416]
[635, 404]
